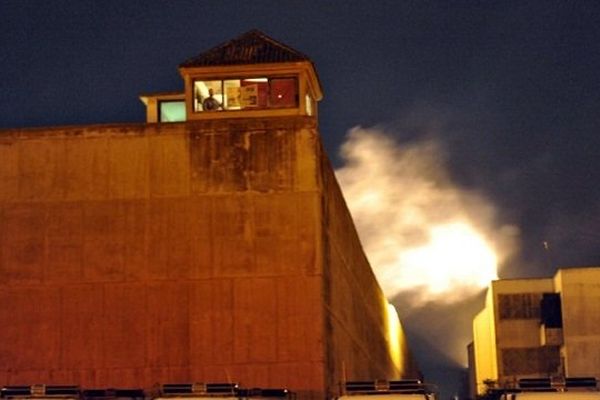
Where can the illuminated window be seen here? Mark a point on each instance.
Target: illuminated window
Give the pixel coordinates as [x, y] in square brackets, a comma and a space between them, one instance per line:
[245, 94]
[283, 92]
[233, 94]
[253, 92]
[208, 95]
[171, 111]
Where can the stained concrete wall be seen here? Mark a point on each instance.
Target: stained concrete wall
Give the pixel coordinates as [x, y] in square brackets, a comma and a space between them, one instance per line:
[209, 251]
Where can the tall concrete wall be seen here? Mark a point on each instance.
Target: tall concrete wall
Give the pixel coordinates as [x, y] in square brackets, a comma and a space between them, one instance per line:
[360, 345]
[132, 255]
[209, 251]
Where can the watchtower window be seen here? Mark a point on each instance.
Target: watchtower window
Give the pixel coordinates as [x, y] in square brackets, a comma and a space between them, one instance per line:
[245, 94]
[171, 111]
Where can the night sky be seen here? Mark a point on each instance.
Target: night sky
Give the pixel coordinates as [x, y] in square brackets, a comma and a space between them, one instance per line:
[511, 89]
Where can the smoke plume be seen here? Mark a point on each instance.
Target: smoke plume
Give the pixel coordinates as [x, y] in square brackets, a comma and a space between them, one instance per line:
[423, 234]
[433, 245]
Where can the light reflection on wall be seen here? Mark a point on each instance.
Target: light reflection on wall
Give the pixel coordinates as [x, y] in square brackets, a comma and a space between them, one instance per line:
[393, 336]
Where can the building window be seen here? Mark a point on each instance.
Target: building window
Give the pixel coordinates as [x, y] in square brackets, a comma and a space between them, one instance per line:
[519, 306]
[208, 95]
[531, 360]
[551, 313]
[283, 93]
[171, 111]
[245, 94]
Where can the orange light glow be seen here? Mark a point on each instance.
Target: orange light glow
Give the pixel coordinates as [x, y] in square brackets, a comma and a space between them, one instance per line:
[394, 332]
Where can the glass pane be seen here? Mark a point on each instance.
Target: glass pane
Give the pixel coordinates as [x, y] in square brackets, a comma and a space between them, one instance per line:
[208, 95]
[171, 111]
[247, 93]
[232, 94]
[254, 92]
[284, 92]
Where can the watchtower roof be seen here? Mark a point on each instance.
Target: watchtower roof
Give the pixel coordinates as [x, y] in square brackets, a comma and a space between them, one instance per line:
[253, 47]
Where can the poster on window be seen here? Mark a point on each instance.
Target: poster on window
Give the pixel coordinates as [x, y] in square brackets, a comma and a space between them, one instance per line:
[233, 97]
[249, 96]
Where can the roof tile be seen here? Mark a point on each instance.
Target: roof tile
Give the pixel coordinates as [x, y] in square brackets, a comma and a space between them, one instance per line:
[253, 47]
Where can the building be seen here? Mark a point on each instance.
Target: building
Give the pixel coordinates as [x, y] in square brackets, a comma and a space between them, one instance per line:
[537, 328]
[214, 248]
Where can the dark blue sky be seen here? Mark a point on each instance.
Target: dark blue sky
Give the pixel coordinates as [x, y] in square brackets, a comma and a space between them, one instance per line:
[511, 88]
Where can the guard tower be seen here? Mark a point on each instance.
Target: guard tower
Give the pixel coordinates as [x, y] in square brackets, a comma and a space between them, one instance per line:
[216, 249]
[252, 75]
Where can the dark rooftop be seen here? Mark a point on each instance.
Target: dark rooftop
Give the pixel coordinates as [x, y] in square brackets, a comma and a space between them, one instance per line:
[253, 47]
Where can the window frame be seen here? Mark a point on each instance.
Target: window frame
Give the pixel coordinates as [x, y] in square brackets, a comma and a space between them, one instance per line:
[196, 105]
[159, 104]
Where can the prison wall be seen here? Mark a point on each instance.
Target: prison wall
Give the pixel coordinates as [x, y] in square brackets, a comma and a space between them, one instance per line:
[137, 254]
[361, 342]
[218, 250]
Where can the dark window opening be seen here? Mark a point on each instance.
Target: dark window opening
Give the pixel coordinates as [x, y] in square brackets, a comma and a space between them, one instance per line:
[531, 360]
[519, 306]
[551, 310]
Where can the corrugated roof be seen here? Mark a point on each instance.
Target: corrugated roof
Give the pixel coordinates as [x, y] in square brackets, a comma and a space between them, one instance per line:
[253, 47]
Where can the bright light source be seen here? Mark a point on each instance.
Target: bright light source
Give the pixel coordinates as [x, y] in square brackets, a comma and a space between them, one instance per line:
[423, 234]
[455, 256]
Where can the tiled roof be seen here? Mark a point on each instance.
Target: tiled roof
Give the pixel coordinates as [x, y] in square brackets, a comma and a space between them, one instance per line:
[253, 47]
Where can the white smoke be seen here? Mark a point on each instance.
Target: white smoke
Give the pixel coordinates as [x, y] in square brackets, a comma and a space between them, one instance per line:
[422, 233]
